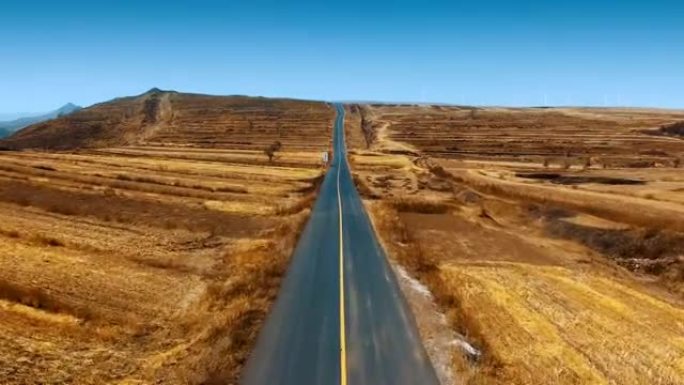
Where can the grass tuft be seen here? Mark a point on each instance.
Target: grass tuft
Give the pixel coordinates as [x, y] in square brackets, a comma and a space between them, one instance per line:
[420, 205]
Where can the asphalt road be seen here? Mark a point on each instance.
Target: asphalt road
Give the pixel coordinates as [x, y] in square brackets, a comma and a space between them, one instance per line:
[340, 317]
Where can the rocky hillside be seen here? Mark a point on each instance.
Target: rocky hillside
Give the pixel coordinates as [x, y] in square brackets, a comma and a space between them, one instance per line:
[168, 118]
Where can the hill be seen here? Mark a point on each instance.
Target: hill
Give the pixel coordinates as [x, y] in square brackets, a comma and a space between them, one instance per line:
[155, 259]
[171, 118]
[9, 127]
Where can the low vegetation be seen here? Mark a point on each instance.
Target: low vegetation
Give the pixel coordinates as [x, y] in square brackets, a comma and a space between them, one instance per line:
[155, 262]
[551, 239]
[189, 120]
[674, 129]
[417, 205]
[272, 149]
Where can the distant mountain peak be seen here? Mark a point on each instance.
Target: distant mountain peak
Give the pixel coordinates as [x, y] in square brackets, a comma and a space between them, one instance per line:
[68, 108]
[7, 128]
[154, 90]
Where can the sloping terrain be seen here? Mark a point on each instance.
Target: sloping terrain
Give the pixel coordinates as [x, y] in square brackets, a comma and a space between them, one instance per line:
[153, 263]
[171, 118]
[8, 127]
[552, 239]
[614, 137]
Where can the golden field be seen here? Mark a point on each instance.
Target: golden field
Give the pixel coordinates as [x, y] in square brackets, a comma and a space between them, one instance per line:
[552, 239]
[148, 261]
[143, 240]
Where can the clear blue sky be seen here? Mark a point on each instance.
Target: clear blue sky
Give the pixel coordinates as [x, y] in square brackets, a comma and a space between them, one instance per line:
[472, 52]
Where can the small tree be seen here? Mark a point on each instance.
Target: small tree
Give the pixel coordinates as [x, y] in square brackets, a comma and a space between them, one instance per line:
[546, 162]
[271, 150]
[369, 134]
[676, 162]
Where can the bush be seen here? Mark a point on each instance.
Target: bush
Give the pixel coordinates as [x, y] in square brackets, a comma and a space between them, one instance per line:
[46, 168]
[271, 150]
[48, 241]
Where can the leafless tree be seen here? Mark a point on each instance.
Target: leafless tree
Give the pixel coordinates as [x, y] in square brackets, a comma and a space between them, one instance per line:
[369, 133]
[272, 149]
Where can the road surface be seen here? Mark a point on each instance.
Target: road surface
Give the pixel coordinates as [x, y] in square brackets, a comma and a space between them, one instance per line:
[340, 317]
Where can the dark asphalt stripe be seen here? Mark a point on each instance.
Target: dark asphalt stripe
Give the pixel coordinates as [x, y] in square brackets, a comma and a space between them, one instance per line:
[300, 341]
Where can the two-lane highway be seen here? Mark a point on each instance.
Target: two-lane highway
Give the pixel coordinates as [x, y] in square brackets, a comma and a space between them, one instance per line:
[340, 317]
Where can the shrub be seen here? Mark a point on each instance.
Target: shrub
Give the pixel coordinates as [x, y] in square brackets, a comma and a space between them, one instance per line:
[48, 241]
[46, 168]
[271, 150]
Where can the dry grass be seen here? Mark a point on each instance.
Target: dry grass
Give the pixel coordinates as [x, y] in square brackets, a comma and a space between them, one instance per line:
[631, 210]
[419, 205]
[112, 207]
[175, 290]
[151, 263]
[540, 324]
[227, 317]
[553, 325]
[379, 160]
[37, 298]
[297, 206]
[162, 118]
[650, 251]
[543, 293]
[528, 134]
[402, 245]
[362, 186]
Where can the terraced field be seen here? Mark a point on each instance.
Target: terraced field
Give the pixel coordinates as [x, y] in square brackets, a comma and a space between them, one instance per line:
[143, 240]
[154, 262]
[243, 125]
[167, 118]
[615, 137]
[551, 239]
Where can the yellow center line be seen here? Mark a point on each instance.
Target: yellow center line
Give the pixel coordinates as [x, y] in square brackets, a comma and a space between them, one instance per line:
[343, 336]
